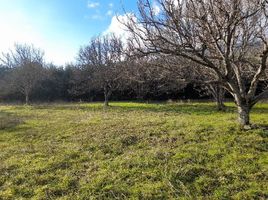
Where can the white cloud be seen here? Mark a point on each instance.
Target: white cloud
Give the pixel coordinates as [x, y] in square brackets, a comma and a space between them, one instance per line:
[93, 4]
[109, 13]
[156, 9]
[117, 28]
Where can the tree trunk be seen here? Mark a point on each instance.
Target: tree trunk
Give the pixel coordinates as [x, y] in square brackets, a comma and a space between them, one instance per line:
[140, 98]
[27, 99]
[220, 104]
[219, 97]
[243, 115]
[139, 92]
[107, 94]
[106, 100]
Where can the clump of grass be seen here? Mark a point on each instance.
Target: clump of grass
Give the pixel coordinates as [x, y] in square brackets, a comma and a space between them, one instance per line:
[131, 151]
[129, 140]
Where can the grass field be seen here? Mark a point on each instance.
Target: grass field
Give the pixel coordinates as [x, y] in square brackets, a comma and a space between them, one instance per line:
[131, 151]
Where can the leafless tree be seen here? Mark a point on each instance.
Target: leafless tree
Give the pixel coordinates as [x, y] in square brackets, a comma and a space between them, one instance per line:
[103, 59]
[215, 91]
[225, 37]
[4, 72]
[181, 71]
[154, 74]
[206, 88]
[26, 64]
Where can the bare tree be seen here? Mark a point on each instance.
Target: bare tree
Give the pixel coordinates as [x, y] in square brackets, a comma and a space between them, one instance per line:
[215, 91]
[205, 88]
[154, 74]
[26, 64]
[103, 59]
[225, 37]
[4, 72]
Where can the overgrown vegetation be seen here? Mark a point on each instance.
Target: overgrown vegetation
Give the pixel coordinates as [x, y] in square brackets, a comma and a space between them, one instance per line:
[131, 151]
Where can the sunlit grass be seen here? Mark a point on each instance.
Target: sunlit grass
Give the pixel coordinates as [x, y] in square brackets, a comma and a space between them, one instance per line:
[131, 151]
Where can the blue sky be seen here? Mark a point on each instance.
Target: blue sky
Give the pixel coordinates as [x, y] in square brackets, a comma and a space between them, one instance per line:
[59, 27]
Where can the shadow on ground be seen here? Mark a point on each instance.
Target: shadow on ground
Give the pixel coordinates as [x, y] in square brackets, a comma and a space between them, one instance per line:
[9, 120]
[184, 108]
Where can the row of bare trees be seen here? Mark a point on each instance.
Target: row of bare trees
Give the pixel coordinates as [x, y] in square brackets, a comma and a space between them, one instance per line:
[106, 64]
[220, 46]
[103, 66]
[226, 41]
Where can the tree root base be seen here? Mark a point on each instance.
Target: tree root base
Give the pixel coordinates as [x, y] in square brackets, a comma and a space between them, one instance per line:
[249, 127]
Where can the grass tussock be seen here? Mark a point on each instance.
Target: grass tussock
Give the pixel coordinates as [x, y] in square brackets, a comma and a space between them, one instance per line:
[131, 151]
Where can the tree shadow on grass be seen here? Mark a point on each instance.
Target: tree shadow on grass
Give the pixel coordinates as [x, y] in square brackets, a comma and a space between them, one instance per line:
[260, 110]
[9, 120]
[70, 106]
[177, 108]
[183, 108]
[264, 127]
[187, 108]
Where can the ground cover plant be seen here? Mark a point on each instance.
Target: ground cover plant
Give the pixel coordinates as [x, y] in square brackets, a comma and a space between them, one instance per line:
[131, 151]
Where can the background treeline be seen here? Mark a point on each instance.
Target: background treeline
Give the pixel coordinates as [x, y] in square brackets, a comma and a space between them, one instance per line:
[59, 86]
[26, 77]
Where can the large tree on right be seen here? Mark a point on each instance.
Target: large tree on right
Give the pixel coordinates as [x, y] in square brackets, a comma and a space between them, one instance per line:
[226, 38]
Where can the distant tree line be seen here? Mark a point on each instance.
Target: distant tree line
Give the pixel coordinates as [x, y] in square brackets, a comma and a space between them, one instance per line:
[189, 49]
[103, 71]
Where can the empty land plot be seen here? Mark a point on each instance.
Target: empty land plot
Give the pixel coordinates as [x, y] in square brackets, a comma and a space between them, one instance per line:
[131, 151]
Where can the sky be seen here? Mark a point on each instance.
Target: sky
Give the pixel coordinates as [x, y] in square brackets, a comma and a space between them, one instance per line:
[59, 27]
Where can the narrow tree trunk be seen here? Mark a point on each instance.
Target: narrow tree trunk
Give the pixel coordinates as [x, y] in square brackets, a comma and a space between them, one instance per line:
[243, 115]
[106, 100]
[220, 104]
[27, 99]
[139, 92]
[107, 94]
[218, 95]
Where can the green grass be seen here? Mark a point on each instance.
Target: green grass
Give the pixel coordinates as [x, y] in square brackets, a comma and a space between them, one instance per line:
[131, 151]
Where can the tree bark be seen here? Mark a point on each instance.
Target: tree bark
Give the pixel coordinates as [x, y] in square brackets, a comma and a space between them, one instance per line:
[218, 94]
[220, 99]
[107, 94]
[27, 99]
[139, 94]
[106, 100]
[243, 115]
[220, 104]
